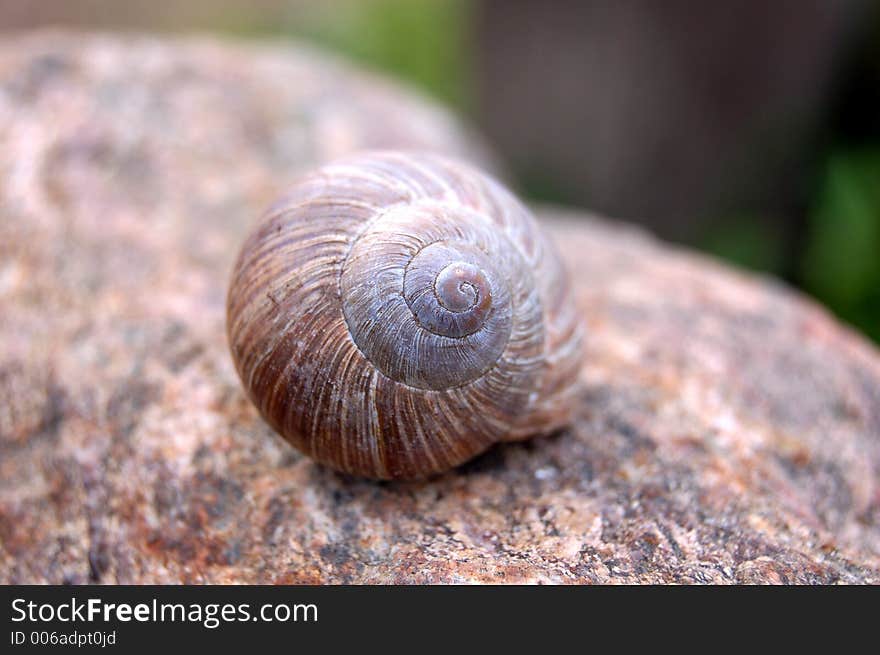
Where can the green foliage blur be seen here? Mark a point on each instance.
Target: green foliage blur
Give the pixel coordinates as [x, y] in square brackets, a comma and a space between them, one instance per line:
[426, 42]
[841, 266]
[839, 262]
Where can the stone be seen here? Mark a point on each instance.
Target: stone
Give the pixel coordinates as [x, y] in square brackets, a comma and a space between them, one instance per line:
[728, 428]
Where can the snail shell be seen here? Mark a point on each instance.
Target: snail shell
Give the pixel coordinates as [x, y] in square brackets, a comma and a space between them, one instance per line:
[398, 313]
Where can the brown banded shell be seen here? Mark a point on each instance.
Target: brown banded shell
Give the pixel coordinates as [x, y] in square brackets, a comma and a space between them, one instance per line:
[398, 313]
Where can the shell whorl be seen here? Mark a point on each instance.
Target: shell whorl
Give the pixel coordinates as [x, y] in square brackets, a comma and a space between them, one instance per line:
[398, 313]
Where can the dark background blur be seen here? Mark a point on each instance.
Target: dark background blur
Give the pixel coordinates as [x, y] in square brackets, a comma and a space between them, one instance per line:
[749, 129]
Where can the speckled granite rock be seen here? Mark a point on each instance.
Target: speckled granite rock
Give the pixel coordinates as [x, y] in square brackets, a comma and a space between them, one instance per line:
[729, 430]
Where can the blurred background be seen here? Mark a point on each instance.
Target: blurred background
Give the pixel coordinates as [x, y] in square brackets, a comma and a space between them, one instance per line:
[749, 129]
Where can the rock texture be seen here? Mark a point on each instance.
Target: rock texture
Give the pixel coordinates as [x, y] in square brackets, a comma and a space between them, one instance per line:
[729, 430]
